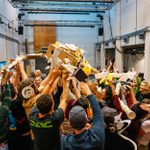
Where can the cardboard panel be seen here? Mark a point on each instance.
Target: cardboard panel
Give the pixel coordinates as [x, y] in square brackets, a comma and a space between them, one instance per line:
[44, 35]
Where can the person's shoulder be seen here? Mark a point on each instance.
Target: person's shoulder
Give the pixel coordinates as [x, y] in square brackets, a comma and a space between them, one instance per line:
[58, 111]
[58, 114]
[3, 111]
[33, 115]
[67, 138]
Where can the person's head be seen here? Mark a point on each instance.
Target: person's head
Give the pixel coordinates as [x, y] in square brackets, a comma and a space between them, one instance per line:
[141, 76]
[38, 73]
[140, 113]
[38, 81]
[32, 75]
[78, 117]
[27, 88]
[45, 104]
[144, 87]
[109, 117]
[106, 92]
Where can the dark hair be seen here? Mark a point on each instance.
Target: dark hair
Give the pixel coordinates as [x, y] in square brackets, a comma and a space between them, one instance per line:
[146, 100]
[113, 60]
[109, 117]
[108, 91]
[108, 98]
[44, 103]
[2, 92]
[140, 113]
[24, 84]
[141, 75]
[32, 75]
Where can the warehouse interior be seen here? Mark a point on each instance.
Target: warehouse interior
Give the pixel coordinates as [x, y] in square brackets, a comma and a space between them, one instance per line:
[74, 75]
[105, 29]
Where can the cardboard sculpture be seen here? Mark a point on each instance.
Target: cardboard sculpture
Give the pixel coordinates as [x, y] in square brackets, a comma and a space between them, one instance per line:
[69, 51]
[58, 52]
[50, 51]
[20, 58]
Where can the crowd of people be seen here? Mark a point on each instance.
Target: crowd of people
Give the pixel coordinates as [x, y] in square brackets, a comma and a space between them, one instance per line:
[60, 112]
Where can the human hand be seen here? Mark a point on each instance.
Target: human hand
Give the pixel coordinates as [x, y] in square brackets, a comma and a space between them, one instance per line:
[20, 65]
[57, 71]
[92, 86]
[145, 107]
[85, 88]
[111, 84]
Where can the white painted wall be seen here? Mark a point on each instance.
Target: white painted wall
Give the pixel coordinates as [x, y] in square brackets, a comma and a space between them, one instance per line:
[8, 48]
[132, 14]
[125, 18]
[135, 61]
[128, 16]
[84, 38]
[81, 37]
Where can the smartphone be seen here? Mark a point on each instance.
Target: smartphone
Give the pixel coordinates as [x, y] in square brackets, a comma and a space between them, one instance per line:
[80, 75]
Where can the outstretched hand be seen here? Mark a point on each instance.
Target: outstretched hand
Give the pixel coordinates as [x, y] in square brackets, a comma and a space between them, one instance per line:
[92, 86]
[6, 77]
[57, 71]
[145, 107]
[85, 88]
[111, 84]
[65, 75]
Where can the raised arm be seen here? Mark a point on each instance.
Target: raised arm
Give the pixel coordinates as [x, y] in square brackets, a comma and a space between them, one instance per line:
[98, 119]
[98, 122]
[64, 96]
[110, 66]
[94, 90]
[76, 90]
[22, 71]
[54, 75]
[54, 85]
[115, 97]
[16, 77]
[45, 81]
[130, 97]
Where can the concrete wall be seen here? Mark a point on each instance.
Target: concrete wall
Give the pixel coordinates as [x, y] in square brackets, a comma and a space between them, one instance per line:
[9, 39]
[134, 61]
[82, 37]
[127, 17]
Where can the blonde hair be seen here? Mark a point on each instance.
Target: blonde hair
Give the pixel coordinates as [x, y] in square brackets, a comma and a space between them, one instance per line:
[147, 86]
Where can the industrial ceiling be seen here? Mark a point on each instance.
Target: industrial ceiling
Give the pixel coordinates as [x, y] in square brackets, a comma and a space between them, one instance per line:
[94, 6]
[83, 7]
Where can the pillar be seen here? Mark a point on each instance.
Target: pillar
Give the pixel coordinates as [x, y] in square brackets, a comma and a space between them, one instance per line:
[147, 57]
[119, 56]
[102, 56]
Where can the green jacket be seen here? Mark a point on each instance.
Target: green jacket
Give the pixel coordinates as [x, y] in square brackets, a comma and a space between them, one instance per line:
[4, 108]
